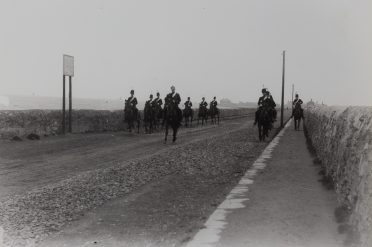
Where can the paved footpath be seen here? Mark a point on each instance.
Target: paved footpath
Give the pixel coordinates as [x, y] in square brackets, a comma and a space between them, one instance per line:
[278, 202]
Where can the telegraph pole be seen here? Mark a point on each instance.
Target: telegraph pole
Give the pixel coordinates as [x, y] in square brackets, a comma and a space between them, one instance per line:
[70, 105]
[282, 105]
[292, 96]
[64, 106]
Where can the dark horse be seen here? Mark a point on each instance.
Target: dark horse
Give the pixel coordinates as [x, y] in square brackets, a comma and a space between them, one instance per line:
[264, 123]
[172, 118]
[214, 113]
[297, 115]
[158, 115]
[131, 115]
[149, 117]
[188, 115]
[203, 114]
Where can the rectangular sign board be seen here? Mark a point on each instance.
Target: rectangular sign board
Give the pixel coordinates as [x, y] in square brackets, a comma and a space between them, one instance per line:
[68, 65]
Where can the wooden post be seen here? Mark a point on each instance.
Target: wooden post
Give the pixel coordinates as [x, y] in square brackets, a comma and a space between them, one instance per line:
[292, 97]
[70, 105]
[64, 106]
[282, 105]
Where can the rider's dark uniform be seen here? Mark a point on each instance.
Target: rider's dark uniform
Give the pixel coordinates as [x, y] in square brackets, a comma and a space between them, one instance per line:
[213, 104]
[272, 106]
[149, 104]
[188, 104]
[174, 98]
[203, 104]
[157, 103]
[265, 101]
[132, 103]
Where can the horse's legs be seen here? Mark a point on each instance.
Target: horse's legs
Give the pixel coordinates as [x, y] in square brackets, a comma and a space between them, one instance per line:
[175, 129]
[259, 132]
[166, 132]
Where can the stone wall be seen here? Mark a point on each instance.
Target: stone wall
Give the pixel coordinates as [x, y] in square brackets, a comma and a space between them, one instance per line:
[48, 122]
[342, 138]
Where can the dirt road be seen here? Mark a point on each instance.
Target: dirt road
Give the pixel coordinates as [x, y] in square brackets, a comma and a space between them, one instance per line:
[29, 164]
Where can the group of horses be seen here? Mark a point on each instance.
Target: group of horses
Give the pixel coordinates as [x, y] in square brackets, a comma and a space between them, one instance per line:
[266, 116]
[156, 118]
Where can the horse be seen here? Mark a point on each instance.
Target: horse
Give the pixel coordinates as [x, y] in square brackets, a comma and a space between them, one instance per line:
[214, 113]
[158, 115]
[203, 114]
[264, 123]
[188, 115]
[297, 115]
[149, 117]
[131, 115]
[173, 118]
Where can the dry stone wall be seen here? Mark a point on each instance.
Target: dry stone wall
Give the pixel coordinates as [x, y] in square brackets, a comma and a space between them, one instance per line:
[48, 122]
[342, 138]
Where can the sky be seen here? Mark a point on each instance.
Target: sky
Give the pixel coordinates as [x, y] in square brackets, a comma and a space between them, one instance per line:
[229, 49]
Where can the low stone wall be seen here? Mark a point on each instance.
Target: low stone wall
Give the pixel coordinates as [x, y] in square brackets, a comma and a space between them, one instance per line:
[48, 122]
[342, 138]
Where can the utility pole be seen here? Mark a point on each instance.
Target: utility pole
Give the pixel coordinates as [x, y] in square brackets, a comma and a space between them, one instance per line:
[292, 96]
[282, 105]
[64, 106]
[70, 105]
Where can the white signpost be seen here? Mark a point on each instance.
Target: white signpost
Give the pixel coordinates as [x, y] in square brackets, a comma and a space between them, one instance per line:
[68, 70]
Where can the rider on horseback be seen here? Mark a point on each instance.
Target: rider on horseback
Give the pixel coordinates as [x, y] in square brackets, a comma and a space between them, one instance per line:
[272, 106]
[213, 104]
[149, 103]
[297, 102]
[132, 101]
[203, 104]
[188, 103]
[157, 102]
[262, 101]
[174, 99]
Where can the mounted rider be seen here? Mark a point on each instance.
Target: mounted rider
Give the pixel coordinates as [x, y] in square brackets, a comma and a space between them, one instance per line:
[173, 99]
[157, 102]
[266, 100]
[149, 103]
[272, 106]
[132, 102]
[297, 102]
[188, 103]
[213, 104]
[203, 104]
